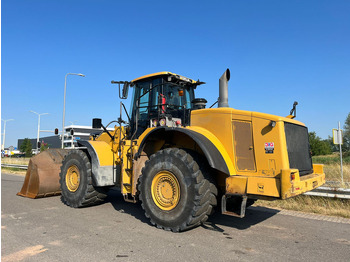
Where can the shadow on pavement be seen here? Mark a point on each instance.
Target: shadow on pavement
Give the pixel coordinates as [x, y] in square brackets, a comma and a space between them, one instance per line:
[254, 215]
[116, 199]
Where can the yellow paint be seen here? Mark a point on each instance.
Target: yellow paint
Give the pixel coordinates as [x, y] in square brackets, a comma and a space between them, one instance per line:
[218, 144]
[272, 175]
[73, 178]
[263, 186]
[291, 188]
[104, 152]
[236, 185]
[161, 74]
[127, 168]
[165, 190]
[269, 164]
[318, 168]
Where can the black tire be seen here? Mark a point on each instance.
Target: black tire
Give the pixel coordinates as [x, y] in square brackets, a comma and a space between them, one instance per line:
[82, 193]
[197, 194]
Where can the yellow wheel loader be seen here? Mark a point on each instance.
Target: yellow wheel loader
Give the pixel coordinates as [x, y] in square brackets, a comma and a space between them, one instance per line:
[181, 159]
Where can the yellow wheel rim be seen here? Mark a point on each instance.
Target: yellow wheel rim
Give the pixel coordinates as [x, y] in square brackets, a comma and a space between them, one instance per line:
[72, 178]
[165, 190]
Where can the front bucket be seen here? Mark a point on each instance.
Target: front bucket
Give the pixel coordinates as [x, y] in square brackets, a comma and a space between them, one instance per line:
[42, 178]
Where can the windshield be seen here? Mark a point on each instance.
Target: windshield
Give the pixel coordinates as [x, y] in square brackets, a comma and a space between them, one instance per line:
[177, 97]
[156, 98]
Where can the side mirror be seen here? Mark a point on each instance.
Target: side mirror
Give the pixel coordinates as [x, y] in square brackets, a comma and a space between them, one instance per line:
[97, 123]
[126, 84]
[125, 90]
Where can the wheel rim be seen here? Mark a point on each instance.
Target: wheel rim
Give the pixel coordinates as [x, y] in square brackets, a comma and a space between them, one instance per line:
[72, 178]
[165, 190]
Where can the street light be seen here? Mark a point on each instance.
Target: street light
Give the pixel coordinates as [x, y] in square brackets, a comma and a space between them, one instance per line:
[37, 140]
[3, 138]
[64, 102]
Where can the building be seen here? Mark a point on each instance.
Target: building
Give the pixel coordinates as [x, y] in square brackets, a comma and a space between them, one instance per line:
[70, 141]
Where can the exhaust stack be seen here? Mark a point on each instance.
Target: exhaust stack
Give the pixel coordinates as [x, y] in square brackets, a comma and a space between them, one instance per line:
[223, 89]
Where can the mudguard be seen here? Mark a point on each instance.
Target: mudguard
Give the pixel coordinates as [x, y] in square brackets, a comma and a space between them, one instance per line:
[216, 158]
[101, 157]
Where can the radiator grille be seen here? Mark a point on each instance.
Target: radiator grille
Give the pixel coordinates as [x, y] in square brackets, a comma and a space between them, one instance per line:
[298, 148]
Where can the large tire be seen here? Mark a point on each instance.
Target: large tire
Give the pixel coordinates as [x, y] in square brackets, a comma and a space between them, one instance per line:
[76, 181]
[175, 190]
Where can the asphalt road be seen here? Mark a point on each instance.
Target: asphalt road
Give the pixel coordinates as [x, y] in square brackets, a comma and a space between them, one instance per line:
[46, 230]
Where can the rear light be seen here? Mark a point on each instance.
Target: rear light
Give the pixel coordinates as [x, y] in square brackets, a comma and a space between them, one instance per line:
[292, 177]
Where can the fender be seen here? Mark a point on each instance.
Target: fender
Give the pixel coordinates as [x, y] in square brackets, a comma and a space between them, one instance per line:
[212, 148]
[101, 162]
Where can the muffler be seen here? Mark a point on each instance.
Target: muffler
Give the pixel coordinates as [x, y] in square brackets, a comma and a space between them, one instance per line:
[223, 89]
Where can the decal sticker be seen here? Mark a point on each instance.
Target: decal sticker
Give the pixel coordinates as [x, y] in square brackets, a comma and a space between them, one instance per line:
[269, 148]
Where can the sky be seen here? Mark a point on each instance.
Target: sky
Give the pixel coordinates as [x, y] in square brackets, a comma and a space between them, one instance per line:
[278, 52]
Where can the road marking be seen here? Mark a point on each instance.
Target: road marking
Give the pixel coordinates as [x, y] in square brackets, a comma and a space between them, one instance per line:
[22, 254]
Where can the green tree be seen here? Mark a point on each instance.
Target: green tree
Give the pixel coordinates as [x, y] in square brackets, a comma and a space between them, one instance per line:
[346, 135]
[26, 147]
[44, 146]
[319, 146]
[333, 147]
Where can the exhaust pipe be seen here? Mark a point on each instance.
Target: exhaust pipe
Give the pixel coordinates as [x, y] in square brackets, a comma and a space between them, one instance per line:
[223, 89]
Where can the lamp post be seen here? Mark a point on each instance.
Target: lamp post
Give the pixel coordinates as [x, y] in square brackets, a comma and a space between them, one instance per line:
[3, 138]
[64, 103]
[37, 139]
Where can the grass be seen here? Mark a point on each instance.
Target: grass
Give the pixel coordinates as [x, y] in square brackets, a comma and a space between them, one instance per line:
[332, 167]
[330, 159]
[14, 161]
[311, 204]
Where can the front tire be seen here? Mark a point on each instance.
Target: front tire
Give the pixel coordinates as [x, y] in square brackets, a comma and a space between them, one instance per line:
[76, 181]
[175, 190]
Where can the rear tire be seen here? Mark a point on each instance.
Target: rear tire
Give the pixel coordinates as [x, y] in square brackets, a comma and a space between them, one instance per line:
[175, 191]
[76, 181]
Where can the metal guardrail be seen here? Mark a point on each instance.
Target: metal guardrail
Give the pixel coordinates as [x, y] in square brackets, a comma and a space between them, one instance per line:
[331, 191]
[14, 166]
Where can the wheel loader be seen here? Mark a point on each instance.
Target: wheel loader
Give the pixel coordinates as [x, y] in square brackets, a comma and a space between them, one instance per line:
[180, 158]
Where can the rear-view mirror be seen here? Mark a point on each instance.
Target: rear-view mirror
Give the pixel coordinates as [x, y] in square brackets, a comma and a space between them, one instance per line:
[97, 123]
[125, 89]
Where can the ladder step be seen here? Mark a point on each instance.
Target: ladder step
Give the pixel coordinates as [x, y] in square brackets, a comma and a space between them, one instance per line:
[128, 169]
[130, 198]
[126, 184]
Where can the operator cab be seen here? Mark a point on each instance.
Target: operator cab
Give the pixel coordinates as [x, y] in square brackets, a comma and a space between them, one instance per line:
[161, 99]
